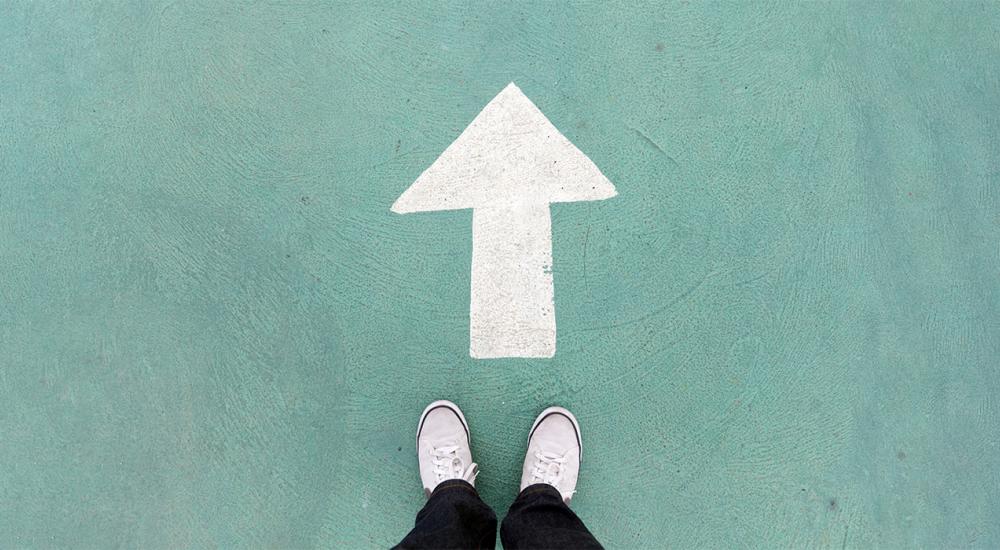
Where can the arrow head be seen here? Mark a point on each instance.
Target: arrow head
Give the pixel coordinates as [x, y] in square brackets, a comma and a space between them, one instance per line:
[510, 154]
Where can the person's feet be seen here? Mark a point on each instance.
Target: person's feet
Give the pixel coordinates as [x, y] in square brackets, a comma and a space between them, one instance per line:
[443, 450]
[554, 451]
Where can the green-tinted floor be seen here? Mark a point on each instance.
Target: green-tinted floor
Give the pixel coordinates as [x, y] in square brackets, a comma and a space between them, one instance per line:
[783, 332]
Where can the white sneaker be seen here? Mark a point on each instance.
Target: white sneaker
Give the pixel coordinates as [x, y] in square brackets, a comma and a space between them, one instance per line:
[443, 446]
[554, 452]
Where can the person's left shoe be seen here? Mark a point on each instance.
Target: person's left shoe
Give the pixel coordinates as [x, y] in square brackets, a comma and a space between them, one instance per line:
[443, 446]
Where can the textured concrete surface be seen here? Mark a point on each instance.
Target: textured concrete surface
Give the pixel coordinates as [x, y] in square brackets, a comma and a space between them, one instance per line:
[784, 331]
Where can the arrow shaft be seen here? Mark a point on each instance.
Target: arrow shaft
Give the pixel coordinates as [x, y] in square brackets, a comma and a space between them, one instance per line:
[512, 310]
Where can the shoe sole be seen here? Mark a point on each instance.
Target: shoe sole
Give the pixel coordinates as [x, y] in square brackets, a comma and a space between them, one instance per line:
[564, 412]
[448, 405]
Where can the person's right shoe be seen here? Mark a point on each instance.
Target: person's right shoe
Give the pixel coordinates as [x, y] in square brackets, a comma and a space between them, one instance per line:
[554, 452]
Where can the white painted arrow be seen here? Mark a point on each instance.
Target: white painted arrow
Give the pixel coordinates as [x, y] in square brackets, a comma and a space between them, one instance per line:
[508, 165]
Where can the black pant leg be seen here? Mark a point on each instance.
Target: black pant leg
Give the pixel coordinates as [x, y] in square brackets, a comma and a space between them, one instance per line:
[454, 517]
[539, 518]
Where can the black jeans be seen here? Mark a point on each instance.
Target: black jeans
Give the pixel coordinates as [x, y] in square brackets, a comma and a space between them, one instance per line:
[455, 517]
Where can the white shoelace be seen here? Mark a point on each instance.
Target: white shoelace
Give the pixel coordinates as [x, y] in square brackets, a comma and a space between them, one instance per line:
[448, 465]
[547, 468]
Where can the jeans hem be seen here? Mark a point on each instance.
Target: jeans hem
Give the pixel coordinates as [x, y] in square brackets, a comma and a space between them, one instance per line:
[454, 485]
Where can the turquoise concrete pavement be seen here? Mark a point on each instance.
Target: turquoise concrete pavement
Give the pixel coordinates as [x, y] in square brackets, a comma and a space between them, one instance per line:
[784, 331]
